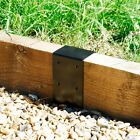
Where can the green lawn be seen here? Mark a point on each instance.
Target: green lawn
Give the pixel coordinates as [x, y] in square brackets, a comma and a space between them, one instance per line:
[110, 27]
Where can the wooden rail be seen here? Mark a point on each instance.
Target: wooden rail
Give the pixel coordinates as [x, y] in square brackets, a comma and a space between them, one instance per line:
[111, 85]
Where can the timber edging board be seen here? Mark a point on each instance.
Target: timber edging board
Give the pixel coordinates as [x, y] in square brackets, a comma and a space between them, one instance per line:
[110, 85]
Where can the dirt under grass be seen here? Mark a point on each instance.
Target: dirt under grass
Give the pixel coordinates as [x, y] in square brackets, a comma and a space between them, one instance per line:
[108, 27]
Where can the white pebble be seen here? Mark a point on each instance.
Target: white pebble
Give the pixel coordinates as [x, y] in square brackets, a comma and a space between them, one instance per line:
[21, 135]
[3, 119]
[102, 122]
[94, 138]
[132, 137]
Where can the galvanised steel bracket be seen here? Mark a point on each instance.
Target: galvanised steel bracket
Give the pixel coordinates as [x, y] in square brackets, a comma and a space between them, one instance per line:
[68, 74]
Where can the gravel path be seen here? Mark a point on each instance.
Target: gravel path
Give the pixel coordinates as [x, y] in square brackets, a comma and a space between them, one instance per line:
[21, 119]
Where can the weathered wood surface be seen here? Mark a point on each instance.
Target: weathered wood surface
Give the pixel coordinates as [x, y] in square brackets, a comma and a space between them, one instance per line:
[7, 64]
[112, 85]
[26, 64]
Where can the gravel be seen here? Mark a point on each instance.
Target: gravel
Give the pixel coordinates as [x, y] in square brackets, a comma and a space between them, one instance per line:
[26, 118]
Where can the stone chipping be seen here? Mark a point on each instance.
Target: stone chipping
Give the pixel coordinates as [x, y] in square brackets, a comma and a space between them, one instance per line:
[28, 118]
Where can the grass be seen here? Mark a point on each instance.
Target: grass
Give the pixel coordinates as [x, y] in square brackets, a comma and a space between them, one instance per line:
[109, 27]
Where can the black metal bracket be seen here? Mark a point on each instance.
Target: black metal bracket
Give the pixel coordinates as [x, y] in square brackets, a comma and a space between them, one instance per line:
[68, 74]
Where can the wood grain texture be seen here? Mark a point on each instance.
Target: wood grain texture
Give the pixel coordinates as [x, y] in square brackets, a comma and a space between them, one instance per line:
[26, 64]
[112, 85]
[7, 63]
